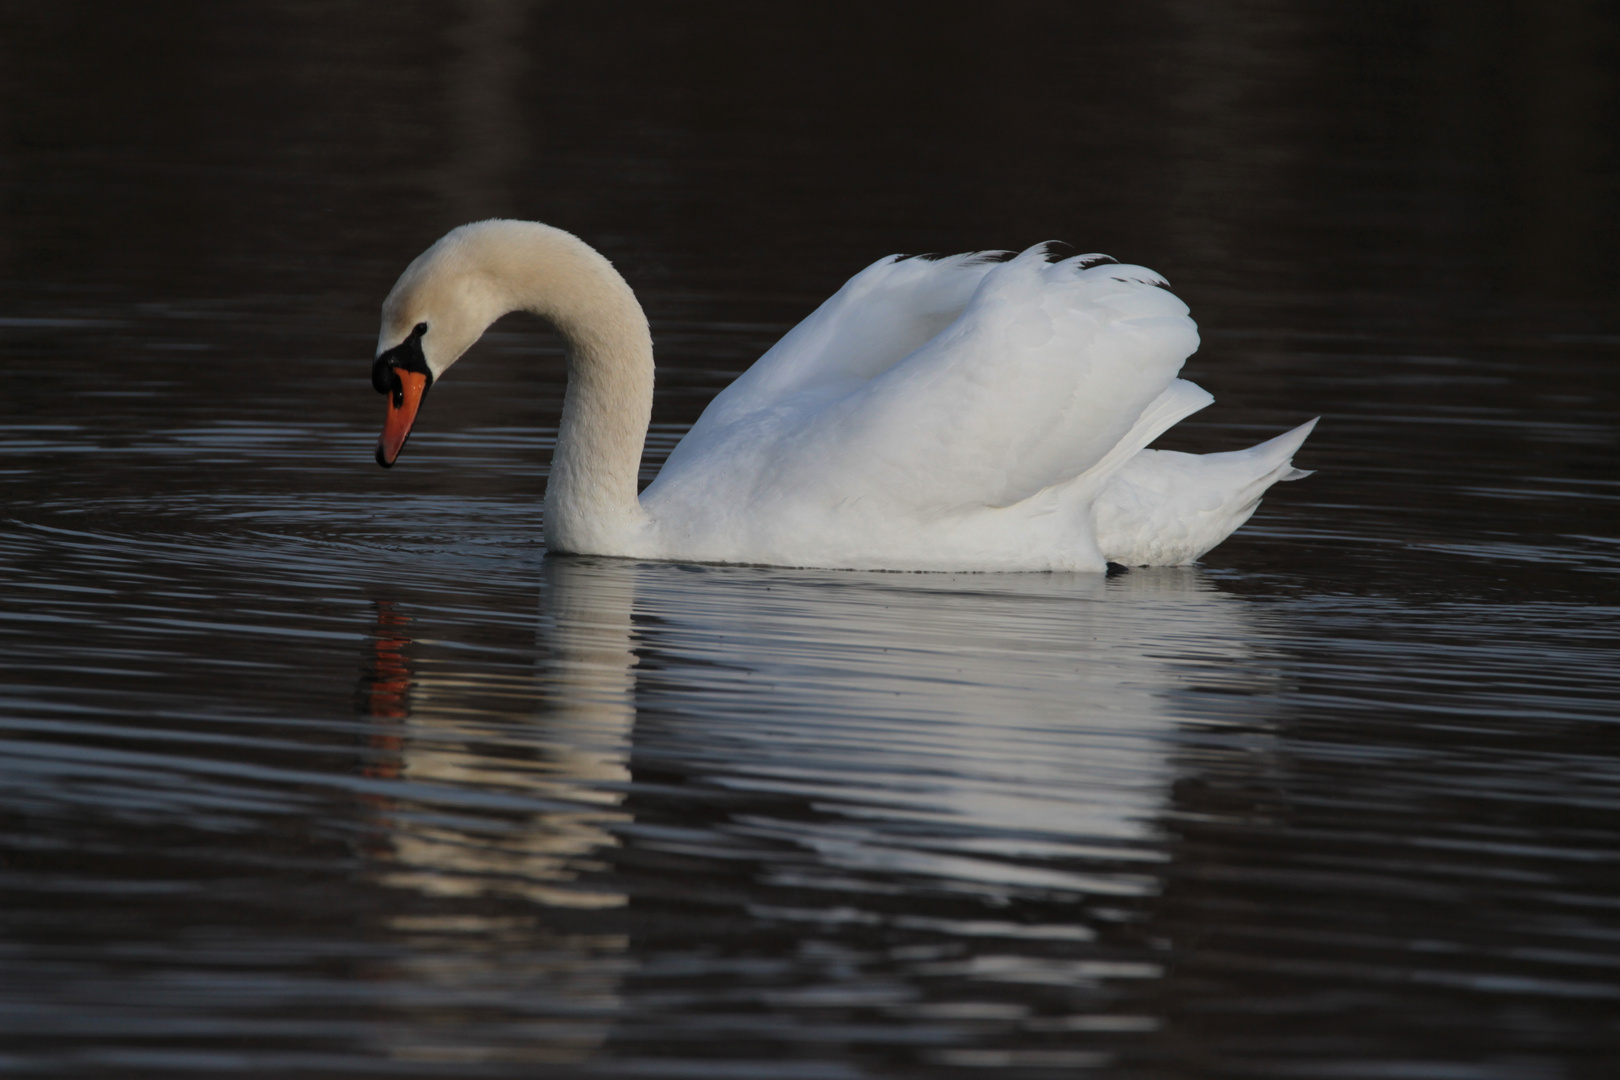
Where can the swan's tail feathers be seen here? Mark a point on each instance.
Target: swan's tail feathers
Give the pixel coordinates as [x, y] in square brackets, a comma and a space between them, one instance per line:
[1284, 445]
[1163, 508]
[1292, 440]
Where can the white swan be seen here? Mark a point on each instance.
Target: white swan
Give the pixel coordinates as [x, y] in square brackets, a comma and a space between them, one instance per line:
[964, 413]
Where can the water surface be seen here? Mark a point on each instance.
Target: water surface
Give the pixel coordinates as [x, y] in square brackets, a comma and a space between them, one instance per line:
[315, 769]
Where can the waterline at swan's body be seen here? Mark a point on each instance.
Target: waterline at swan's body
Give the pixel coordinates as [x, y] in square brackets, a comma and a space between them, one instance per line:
[963, 413]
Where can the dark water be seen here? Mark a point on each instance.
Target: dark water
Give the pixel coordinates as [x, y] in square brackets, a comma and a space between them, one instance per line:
[313, 769]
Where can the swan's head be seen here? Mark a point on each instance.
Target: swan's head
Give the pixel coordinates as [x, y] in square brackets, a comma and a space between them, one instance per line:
[440, 305]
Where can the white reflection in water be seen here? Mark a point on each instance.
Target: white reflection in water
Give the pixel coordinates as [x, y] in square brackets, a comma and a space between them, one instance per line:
[991, 736]
[994, 733]
[579, 765]
[584, 694]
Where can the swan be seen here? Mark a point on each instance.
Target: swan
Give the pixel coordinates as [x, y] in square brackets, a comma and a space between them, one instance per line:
[976, 412]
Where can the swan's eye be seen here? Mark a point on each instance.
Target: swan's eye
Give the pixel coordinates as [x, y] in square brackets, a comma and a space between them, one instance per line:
[406, 356]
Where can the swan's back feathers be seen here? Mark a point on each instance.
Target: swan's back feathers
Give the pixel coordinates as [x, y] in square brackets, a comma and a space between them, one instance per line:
[1045, 372]
[880, 316]
[952, 384]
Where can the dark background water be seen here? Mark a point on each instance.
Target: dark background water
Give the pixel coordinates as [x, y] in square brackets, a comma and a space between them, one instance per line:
[314, 769]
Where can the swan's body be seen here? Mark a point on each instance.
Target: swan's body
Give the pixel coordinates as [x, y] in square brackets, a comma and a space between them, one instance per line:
[955, 414]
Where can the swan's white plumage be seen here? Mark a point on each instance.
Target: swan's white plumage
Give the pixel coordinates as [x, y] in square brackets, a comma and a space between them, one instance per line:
[1165, 508]
[948, 414]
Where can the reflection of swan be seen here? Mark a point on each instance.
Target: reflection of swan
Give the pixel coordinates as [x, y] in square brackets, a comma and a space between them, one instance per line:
[992, 731]
[958, 414]
[574, 760]
[994, 735]
[978, 766]
[549, 787]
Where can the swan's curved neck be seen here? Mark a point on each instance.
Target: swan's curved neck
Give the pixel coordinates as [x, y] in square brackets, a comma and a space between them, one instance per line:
[591, 505]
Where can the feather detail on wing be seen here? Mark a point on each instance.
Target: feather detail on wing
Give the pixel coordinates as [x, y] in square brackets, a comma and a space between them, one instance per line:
[879, 317]
[953, 384]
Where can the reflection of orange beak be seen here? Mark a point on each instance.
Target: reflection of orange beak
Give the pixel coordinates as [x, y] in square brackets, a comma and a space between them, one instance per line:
[402, 406]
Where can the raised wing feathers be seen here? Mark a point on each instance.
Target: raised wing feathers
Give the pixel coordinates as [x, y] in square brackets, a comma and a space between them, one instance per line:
[949, 384]
[879, 317]
[1046, 370]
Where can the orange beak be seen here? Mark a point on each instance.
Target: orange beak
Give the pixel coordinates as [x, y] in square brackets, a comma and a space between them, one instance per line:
[402, 406]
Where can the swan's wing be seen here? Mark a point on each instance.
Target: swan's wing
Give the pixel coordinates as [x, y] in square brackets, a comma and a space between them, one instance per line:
[1047, 372]
[1051, 370]
[1164, 508]
[879, 317]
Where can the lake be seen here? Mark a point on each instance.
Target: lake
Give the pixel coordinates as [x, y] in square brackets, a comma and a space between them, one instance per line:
[315, 769]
